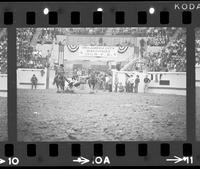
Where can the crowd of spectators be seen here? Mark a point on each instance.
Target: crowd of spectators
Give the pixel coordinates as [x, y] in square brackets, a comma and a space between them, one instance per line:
[158, 41]
[87, 31]
[144, 32]
[133, 31]
[197, 47]
[3, 53]
[26, 57]
[35, 62]
[197, 52]
[25, 34]
[157, 36]
[24, 37]
[48, 35]
[172, 58]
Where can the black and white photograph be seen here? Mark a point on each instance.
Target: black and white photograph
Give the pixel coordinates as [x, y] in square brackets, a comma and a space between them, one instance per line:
[100, 84]
[197, 79]
[3, 84]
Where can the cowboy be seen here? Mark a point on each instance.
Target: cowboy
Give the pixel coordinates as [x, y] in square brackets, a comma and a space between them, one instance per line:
[146, 83]
[61, 70]
[131, 81]
[116, 82]
[137, 81]
[106, 81]
[34, 81]
[60, 74]
[110, 83]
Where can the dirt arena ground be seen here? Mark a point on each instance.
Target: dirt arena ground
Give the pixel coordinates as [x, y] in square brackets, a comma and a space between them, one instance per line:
[198, 113]
[3, 119]
[44, 115]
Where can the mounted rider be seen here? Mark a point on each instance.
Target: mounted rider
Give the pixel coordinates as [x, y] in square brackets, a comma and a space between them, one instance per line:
[92, 80]
[60, 76]
[92, 75]
[61, 70]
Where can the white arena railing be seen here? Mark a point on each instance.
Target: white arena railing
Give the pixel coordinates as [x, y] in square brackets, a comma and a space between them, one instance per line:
[24, 78]
[3, 85]
[161, 82]
[197, 75]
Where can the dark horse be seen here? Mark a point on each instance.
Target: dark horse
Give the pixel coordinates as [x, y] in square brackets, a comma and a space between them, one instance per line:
[60, 82]
[92, 81]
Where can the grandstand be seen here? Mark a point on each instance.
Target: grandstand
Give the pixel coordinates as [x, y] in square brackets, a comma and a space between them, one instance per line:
[3, 51]
[197, 80]
[172, 57]
[197, 48]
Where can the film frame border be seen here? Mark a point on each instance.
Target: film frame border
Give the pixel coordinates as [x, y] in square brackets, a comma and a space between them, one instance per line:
[130, 20]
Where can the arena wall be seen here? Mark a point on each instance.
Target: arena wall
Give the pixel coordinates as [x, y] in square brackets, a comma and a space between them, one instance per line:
[167, 82]
[122, 78]
[3, 85]
[161, 82]
[24, 78]
[197, 75]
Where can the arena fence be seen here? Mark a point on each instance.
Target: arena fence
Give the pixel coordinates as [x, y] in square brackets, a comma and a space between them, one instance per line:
[161, 82]
[197, 74]
[3, 85]
[24, 78]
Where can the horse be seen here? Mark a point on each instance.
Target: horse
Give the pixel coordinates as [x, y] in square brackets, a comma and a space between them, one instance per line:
[60, 82]
[92, 81]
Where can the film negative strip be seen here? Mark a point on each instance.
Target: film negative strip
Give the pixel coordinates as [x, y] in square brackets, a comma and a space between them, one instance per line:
[100, 84]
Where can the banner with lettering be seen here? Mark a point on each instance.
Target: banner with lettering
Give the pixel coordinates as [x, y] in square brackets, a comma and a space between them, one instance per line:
[98, 51]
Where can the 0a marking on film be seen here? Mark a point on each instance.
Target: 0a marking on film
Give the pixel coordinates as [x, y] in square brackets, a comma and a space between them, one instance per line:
[96, 160]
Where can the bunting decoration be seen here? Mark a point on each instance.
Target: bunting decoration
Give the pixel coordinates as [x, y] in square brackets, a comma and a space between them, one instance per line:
[122, 49]
[73, 48]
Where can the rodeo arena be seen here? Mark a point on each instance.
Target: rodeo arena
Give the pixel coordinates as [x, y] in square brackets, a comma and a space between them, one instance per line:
[197, 76]
[3, 84]
[101, 84]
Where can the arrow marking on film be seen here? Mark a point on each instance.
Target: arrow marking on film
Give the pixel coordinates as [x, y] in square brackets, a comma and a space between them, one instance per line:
[2, 161]
[81, 160]
[175, 159]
